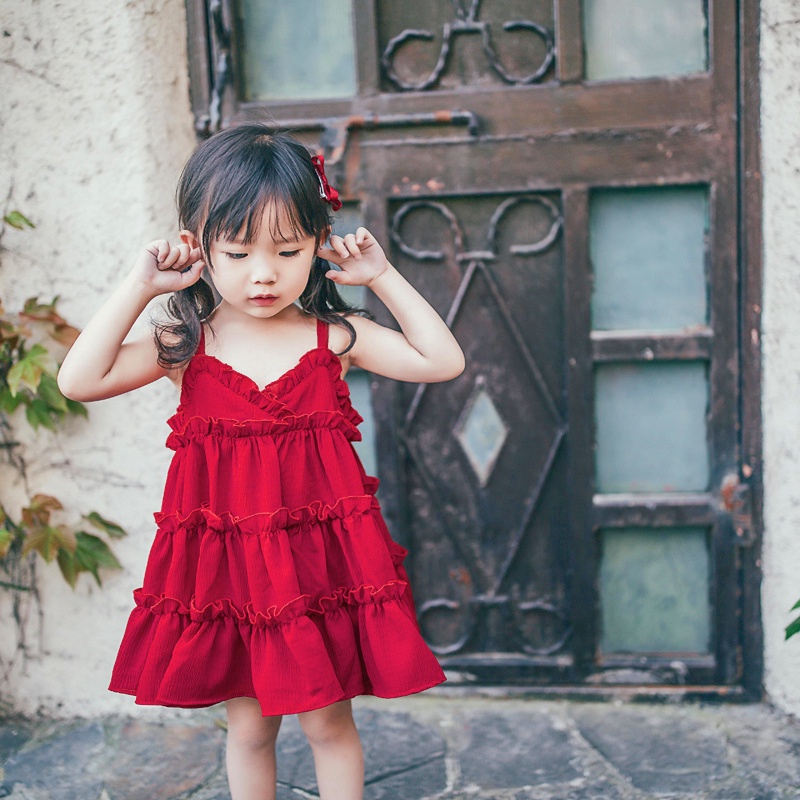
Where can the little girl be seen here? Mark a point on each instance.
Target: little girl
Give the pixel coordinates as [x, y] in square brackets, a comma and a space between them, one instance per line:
[272, 583]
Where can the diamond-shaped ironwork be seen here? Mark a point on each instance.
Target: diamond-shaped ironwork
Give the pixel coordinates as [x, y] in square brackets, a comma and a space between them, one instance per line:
[481, 433]
[526, 379]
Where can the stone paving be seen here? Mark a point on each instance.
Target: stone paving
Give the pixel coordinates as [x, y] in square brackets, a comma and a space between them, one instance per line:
[431, 747]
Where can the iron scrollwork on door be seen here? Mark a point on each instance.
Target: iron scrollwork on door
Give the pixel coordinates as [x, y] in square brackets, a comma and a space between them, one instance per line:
[514, 608]
[467, 22]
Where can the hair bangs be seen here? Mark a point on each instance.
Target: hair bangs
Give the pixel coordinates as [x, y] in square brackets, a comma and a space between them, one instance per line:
[263, 189]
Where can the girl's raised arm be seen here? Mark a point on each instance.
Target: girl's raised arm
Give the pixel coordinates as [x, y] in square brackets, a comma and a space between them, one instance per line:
[98, 364]
[425, 351]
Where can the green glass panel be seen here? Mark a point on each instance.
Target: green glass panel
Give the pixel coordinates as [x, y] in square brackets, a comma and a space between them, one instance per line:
[654, 594]
[644, 38]
[359, 381]
[648, 252]
[651, 427]
[299, 50]
[347, 220]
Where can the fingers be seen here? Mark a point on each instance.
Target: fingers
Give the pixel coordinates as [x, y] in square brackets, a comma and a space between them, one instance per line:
[176, 257]
[343, 247]
[327, 253]
[338, 276]
[353, 245]
[191, 274]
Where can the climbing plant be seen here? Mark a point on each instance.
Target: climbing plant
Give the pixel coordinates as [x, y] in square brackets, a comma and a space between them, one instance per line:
[29, 343]
[794, 626]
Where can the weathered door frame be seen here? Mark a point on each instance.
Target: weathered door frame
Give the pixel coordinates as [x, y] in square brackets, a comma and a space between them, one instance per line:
[214, 103]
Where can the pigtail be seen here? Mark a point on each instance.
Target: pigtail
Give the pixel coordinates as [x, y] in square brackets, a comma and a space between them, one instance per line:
[177, 341]
[321, 298]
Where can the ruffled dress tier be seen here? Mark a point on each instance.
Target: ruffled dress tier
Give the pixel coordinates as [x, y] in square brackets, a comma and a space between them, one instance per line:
[272, 574]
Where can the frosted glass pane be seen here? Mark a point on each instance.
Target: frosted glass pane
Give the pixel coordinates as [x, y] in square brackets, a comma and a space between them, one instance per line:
[654, 594]
[299, 50]
[358, 382]
[347, 220]
[651, 427]
[644, 38]
[648, 252]
[482, 433]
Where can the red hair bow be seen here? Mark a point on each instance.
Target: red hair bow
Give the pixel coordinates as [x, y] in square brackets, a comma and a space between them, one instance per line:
[326, 191]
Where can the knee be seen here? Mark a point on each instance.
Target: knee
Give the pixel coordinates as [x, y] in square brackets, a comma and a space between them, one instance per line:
[252, 732]
[328, 726]
[253, 738]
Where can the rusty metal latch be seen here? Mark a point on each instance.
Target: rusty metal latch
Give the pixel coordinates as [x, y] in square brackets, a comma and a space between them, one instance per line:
[737, 502]
[335, 131]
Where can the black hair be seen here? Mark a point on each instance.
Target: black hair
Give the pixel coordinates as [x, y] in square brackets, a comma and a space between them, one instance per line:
[226, 185]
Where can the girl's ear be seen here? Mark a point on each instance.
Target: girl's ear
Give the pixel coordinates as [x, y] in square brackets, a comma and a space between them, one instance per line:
[187, 237]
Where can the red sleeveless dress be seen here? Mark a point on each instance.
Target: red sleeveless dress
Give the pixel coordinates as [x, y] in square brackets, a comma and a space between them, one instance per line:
[272, 574]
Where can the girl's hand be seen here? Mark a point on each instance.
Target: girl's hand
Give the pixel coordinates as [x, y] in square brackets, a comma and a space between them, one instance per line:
[163, 267]
[359, 255]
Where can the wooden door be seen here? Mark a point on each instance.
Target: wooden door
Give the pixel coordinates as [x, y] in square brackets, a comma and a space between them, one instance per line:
[561, 180]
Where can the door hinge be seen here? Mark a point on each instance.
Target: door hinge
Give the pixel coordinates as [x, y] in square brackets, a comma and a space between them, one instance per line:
[737, 504]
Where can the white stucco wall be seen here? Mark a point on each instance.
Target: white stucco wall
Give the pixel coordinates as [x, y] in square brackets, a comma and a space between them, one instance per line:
[95, 126]
[780, 131]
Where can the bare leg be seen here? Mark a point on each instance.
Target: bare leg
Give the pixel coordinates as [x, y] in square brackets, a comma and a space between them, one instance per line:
[338, 757]
[250, 753]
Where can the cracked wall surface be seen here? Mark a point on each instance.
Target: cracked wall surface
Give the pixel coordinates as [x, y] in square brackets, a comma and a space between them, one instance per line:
[780, 144]
[94, 128]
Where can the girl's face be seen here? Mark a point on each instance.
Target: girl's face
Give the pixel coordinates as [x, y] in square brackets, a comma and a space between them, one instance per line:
[265, 276]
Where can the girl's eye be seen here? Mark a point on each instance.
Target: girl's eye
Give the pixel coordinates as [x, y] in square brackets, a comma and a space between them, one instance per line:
[236, 256]
[289, 253]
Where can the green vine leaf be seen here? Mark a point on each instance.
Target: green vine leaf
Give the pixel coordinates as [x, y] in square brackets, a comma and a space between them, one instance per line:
[39, 510]
[28, 370]
[36, 309]
[9, 402]
[39, 413]
[92, 553]
[8, 331]
[46, 313]
[110, 528]
[793, 627]
[50, 393]
[16, 219]
[76, 408]
[28, 378]
[68, 565]
[47, 540]
[6, 540]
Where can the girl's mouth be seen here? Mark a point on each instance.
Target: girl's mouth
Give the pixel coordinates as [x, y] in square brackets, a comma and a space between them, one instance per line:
[263, 299]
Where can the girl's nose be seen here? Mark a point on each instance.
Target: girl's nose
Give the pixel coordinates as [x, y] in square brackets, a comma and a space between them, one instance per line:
[263, 271]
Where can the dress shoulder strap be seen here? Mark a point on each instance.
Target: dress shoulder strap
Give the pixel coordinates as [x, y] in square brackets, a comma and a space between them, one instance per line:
[322, 334]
